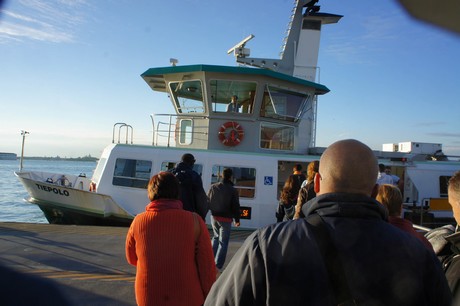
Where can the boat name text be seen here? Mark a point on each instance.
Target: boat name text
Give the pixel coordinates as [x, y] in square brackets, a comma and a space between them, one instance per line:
[53, 189]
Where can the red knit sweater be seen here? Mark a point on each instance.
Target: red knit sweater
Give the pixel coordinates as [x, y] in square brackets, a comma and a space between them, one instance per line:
[161, 244]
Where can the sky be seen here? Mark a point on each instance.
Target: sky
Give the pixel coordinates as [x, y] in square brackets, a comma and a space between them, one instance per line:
[70, 69]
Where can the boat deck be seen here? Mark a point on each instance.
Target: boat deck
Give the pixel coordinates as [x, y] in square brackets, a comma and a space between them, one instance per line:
[88, 262]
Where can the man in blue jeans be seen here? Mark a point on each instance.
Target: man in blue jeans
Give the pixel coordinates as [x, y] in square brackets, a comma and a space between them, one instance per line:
[225, 207]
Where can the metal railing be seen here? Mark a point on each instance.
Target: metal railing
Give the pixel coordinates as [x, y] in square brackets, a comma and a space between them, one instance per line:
[120, 126]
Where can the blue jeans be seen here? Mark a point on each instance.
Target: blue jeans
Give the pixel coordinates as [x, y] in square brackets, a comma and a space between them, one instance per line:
[220, 241]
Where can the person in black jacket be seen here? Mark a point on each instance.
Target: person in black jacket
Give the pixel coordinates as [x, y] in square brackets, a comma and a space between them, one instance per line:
[446, 240]
[192, 194]
[225, 207]
[283, 264]
[288, 199]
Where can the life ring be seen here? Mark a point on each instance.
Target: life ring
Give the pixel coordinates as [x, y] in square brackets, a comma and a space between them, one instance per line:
[234, 136]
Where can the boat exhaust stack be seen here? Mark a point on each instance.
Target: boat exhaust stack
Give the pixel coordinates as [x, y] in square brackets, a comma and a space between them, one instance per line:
[299, 55]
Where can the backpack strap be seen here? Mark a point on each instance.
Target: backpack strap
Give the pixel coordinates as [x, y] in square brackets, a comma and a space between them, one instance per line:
[332, 261]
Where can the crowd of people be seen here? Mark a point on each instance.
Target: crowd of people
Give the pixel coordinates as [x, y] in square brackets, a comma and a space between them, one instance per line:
[339, 239]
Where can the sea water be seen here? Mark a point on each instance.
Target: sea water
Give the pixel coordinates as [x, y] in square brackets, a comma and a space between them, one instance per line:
[13, 207]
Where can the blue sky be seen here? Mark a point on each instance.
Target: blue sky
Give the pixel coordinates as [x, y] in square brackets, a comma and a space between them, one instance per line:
[69, 69]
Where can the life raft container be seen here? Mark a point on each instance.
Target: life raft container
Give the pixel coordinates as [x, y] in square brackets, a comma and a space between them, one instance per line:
[231, 133]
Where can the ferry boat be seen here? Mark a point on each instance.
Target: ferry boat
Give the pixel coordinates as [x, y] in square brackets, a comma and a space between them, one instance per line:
[273, 129]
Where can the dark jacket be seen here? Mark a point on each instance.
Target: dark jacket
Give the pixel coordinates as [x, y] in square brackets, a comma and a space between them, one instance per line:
[192, 194]
[451, 267]
[281, 264]
[446, 244]
[285, 210]
[224, 200]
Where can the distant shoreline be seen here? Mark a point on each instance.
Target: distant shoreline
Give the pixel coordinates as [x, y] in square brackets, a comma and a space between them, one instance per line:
[85, 158]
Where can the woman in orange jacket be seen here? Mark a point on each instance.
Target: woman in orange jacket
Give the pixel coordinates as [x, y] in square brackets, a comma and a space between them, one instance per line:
[171, 249]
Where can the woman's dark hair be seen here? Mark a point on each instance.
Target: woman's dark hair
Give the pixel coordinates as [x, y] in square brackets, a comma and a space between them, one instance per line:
[163, 185]
[290, 190]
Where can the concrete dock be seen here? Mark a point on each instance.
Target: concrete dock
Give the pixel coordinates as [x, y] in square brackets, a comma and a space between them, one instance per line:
[87, 262]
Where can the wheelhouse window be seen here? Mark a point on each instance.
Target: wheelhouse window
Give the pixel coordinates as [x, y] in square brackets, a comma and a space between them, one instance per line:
[222, 92]
[167, 166]
[243, 178]
[276, 137]
[188, 96]
[283, 104]
[132, 173]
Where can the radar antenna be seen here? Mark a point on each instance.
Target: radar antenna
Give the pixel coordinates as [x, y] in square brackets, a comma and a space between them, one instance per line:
[239, 50]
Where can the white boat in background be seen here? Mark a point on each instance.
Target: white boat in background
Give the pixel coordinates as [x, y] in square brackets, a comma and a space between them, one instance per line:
[274, 129]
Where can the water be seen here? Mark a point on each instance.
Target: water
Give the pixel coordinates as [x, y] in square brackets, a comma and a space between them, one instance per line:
[13, 208]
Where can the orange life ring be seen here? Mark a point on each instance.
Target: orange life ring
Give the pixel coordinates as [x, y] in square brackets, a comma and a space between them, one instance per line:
[234, 136]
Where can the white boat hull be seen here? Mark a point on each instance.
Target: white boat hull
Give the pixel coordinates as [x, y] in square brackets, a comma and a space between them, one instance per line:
[69, 205]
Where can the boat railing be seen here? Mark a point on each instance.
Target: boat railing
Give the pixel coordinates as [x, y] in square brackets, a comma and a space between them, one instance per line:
[166, 130]
[420, 228]
[120, 126]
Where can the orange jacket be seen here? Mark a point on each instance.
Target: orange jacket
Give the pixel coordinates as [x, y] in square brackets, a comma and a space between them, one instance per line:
[161, 244]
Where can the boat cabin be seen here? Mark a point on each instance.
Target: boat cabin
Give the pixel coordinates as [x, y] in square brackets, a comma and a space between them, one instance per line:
[275, 112]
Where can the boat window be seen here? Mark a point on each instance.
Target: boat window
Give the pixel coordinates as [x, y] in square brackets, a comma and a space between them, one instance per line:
[443, 185]
[283, 104]
[185, 131]
[222, 92]
[167, 166]
[276, 137]
[243, 178]
[188, 96]
[132, 173]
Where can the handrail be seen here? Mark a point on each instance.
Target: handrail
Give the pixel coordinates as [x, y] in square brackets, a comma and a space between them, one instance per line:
[421, 228]
[170, 130]
[120, 126]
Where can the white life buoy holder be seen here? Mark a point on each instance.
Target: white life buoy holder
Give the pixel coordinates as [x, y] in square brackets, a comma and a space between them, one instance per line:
[231, 133]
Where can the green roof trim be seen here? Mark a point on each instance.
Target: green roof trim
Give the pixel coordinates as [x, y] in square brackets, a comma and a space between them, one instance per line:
[152, 72]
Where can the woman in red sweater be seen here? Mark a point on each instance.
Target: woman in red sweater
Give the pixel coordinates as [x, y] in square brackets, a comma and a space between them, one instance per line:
[171, 249]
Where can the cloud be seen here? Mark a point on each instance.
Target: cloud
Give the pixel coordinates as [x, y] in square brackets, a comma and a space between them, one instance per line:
[52, 21]
[429, 124]
[445, 134]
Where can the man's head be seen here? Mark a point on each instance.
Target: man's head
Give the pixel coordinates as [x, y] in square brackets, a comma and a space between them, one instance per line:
[347, 166]
[227, 173]
[234, 98]
[188, 159]
[297, 167]
[454, 195]
[381, 168]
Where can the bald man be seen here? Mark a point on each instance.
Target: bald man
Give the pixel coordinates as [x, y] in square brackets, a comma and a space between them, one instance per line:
[282, 264]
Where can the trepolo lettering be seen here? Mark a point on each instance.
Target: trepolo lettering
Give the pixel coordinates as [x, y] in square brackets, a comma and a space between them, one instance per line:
[53, 189]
